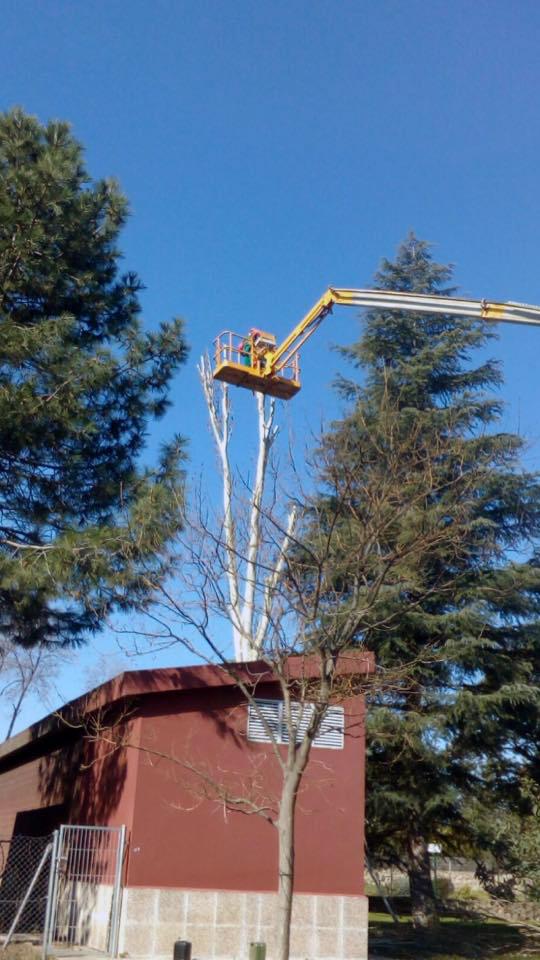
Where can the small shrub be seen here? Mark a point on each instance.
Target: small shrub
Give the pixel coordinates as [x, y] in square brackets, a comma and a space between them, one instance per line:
[371, 889]
[444, 888]
[399, 887]
[467, 892]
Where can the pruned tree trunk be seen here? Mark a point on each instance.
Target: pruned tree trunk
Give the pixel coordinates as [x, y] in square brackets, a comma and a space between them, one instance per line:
[251, 582]
[286, 866]
[293, 771]
[423, 901]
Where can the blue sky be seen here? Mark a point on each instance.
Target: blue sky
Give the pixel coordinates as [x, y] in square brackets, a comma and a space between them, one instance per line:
[271, 149]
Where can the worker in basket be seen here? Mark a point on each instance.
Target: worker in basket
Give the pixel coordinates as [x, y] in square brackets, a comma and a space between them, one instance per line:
[248, 348]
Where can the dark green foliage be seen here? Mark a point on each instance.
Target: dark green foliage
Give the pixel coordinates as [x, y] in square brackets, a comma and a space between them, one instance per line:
[455, 635]
[79, 383]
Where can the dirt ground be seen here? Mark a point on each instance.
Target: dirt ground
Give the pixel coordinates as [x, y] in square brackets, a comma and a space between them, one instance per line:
[22, 951]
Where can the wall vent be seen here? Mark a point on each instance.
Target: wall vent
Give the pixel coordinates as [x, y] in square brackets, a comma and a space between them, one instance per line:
[331, 731]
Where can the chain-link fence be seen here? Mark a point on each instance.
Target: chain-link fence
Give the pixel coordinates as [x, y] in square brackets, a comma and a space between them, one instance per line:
[19, 861]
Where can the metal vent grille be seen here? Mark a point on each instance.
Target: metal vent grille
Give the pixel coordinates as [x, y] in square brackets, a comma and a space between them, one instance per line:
[271, 711]
[266, 721]
[331, 732]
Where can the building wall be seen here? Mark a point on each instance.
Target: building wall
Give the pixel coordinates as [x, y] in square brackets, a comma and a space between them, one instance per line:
[20, 791]
[64, 779]
[183, 835]
[193, 744]
[195, 869]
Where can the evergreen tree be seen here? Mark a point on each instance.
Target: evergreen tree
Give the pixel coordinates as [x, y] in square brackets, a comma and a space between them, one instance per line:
[82, 528]
[454, 633]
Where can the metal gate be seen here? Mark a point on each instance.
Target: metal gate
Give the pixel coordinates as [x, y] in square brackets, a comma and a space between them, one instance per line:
[85, 882]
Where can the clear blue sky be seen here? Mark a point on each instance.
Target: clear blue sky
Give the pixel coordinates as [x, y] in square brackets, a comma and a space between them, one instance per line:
[270, 149]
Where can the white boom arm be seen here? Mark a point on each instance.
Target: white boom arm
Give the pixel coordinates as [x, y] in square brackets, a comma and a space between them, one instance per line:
[507, 312]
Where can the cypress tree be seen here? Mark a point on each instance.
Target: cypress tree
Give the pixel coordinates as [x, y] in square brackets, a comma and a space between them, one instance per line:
[82, 527]
[455, 634]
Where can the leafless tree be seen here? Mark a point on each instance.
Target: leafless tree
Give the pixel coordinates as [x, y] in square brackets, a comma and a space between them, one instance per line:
[28, 672]
[240, 541]
[301, 581]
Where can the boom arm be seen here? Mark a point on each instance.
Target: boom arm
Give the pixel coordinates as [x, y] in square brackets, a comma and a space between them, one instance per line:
[508, 312]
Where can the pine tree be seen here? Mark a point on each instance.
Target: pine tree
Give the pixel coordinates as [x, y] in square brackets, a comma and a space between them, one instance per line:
[454, 635]
[82, 528]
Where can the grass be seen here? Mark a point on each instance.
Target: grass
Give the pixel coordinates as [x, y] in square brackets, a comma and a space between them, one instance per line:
[453, 940]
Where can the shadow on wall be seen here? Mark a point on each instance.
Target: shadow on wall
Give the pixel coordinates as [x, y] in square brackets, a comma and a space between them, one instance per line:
[189, 691]
[86, 773]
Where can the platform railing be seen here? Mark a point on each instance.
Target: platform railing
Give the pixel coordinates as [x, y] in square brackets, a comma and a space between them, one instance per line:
[230, 347]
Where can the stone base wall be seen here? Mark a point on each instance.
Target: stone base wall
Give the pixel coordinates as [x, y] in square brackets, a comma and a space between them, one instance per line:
[222, 924]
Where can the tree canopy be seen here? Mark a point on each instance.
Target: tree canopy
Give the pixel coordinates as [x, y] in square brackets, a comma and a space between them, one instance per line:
[455, 633]
[80, 521]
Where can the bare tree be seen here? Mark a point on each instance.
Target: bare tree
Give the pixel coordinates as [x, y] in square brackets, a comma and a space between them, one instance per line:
[29, 672]
[302, 579]
[241, 544]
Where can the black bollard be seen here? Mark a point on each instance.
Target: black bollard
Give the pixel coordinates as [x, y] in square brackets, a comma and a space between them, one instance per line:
[257, 951]
[182, 950]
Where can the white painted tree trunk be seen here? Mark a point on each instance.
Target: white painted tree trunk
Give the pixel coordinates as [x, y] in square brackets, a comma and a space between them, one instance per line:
[250, 584]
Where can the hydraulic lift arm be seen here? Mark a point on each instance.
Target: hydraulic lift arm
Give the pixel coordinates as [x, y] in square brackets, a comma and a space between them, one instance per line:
[257, 363]
[508, 312]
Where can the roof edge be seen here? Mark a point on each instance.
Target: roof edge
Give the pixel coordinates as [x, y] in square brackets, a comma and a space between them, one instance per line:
[135, 683]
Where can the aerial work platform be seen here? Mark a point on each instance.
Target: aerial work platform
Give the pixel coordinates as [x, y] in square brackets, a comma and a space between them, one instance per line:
[257, 362]
[240, 360]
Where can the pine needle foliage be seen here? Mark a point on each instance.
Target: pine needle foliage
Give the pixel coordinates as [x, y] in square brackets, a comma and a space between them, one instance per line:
[80, 524]
[455, 632]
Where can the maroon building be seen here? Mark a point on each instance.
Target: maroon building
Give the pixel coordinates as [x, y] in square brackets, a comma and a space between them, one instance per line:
[163, 752]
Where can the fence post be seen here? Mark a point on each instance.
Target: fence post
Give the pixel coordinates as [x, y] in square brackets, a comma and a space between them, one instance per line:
[50, 911]
[117, 894]
[257, 951]
[182, 950]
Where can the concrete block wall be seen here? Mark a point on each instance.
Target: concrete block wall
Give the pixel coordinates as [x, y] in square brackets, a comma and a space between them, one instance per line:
[221, 924]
